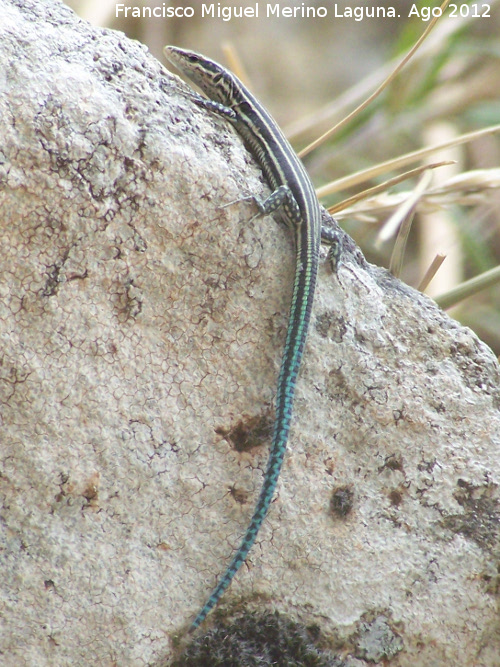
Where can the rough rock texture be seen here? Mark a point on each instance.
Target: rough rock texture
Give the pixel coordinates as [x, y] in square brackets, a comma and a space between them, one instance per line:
[141, 328]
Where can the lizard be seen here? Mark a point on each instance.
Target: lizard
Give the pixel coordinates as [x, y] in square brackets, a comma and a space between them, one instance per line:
[294, 197]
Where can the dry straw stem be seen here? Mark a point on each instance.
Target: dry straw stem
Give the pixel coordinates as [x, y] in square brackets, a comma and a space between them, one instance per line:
[469, 288]
[431, 271]
[337, 109]
[383, 187]
[402, 219]
[385, 83]
[466, 189]
[399, 162]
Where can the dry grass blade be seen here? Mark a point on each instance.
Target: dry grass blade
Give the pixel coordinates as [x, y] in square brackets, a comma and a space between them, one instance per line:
[324, 117]
[476, 180]
[409, 205]
[400, 162]
[469, 288]
[467, 189]
[378, 90]
[431, 271]
[398, 252]
[383, 187]
[402, 219]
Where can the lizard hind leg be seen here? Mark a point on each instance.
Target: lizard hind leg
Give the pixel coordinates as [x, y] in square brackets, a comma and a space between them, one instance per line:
[275, 200]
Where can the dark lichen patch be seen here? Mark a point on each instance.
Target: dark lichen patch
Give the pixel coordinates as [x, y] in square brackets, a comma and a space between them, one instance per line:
[252, 640]
[395, 497]
[393, 462]
[480, 520]
[240, 495]
[248, 433]
[341, 501]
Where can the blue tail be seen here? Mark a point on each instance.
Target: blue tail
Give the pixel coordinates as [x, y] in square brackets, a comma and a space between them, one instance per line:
[298, 323]
[266, 495]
